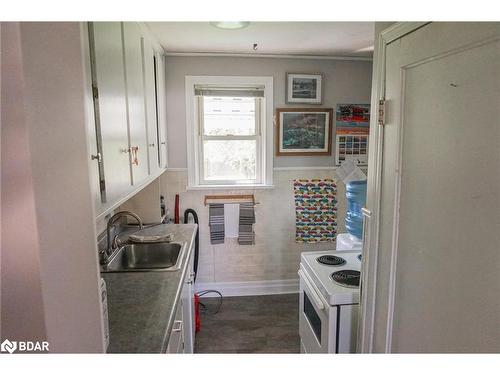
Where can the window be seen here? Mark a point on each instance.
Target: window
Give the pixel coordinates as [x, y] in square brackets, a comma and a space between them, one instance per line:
[228, 140]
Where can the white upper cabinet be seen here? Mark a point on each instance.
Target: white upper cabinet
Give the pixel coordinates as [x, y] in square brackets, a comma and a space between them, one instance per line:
[132, 43]
[162, 108]
[110, 107]
[129, 114]
[150, 104]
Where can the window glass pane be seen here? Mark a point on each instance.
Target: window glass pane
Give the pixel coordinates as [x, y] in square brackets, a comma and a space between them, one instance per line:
[229, 160]
[228, 115]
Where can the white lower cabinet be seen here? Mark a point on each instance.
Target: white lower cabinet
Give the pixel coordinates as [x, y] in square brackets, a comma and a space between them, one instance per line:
[183, 330]
[187, 298]
[176, 341]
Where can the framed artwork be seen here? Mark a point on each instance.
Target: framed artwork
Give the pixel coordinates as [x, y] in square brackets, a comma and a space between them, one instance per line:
[304, 131]
[353, 128]
[304, 88]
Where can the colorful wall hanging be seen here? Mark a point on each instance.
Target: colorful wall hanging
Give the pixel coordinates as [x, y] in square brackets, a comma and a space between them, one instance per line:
[315, 210]
[353, 128]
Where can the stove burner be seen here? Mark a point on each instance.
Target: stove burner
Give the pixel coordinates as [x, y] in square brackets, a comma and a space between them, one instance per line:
[360, 256]
[348, 278]
[331, 260]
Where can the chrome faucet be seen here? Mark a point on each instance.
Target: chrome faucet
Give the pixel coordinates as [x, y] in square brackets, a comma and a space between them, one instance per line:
[113, 243]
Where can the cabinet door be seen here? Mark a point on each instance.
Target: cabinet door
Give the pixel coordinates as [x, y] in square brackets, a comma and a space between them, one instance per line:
[135, 102]
[161, 108]
[176, 340]
[150, 105]
[188, 309]
[111, 107]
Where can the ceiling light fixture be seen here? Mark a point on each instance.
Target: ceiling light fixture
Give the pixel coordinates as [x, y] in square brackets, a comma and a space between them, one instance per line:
[230, 25]
[366, 49]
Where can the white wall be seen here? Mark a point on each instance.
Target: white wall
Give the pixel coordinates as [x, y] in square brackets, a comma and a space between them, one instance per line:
[50, 166]
[22, 314]
[275, 255]
[344, 82]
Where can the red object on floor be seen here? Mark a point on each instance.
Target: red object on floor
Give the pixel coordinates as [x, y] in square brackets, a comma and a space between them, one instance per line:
[176, 209]
[197, 312]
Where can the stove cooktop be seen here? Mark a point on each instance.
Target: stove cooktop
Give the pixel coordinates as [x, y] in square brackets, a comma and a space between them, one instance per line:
[347, 278]
[331, 260]
[320, 266]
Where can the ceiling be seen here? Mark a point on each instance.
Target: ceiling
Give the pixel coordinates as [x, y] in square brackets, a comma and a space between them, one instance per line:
[335, 39]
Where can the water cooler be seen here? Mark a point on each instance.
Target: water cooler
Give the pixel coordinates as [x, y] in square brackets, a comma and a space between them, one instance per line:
[356, 199]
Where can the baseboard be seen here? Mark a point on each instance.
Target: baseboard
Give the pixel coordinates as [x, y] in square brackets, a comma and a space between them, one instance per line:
[250, 288]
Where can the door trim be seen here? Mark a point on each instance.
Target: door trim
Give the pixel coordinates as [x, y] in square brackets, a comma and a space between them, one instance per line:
[371, 240]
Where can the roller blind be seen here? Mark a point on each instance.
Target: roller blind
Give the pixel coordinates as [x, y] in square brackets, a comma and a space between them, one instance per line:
[253, 92]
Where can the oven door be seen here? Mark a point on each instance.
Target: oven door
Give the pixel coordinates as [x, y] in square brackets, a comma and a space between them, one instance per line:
[314, 319]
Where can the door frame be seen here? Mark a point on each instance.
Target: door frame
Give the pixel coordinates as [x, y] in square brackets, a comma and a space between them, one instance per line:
[373, 198]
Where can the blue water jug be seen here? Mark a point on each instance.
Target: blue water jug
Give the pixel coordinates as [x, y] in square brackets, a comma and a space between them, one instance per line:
[356, 199]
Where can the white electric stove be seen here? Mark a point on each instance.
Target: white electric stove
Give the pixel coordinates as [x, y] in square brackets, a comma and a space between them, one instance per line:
[329, 300]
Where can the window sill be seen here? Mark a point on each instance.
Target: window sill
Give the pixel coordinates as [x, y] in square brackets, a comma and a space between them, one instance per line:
[230, 187]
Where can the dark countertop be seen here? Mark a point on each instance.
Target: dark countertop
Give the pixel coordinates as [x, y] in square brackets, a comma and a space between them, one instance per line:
[142, 305]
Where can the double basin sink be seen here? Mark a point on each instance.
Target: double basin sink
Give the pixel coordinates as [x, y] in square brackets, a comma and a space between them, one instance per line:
[134, 257]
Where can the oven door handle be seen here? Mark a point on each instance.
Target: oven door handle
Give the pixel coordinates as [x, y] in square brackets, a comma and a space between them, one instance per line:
[314, 294]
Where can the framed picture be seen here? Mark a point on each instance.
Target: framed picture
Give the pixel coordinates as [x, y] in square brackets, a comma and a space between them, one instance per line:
[304, 88]
[304, 131]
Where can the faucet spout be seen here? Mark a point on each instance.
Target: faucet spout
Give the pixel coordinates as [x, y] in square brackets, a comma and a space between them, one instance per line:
[112, 243]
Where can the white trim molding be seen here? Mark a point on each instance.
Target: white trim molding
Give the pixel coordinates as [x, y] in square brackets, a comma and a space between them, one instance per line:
[312, 168]
[168, 169]
[277, 169]
[250, 288]
[271, 56]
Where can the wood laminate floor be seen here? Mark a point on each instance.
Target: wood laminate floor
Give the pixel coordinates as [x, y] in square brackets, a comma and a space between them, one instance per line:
[255, 324]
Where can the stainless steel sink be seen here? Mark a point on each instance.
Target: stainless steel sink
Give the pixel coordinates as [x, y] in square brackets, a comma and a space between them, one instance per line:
[146, 257]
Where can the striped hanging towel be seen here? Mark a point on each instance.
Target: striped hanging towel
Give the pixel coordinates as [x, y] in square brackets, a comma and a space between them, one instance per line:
[246, 235]
[315, 210]
[216, 223]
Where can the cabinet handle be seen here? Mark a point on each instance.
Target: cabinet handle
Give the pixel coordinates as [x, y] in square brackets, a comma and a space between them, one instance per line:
[313, 291]
[151, 145]
[135, 158]
[179, 326]
[163, 142]
[97, 157]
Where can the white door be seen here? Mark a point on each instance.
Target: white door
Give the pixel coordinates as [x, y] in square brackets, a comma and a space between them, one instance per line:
[135, 102]
[438, 265]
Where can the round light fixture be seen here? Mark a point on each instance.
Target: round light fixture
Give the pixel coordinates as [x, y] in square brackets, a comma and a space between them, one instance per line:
[230, 25]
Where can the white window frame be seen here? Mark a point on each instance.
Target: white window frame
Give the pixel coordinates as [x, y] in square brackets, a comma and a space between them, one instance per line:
[264, 131]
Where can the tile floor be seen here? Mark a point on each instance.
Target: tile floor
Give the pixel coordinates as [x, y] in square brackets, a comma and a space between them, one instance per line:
[255, 324]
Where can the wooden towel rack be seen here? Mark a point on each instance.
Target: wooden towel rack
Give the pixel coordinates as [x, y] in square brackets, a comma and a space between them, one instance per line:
[230, 197]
